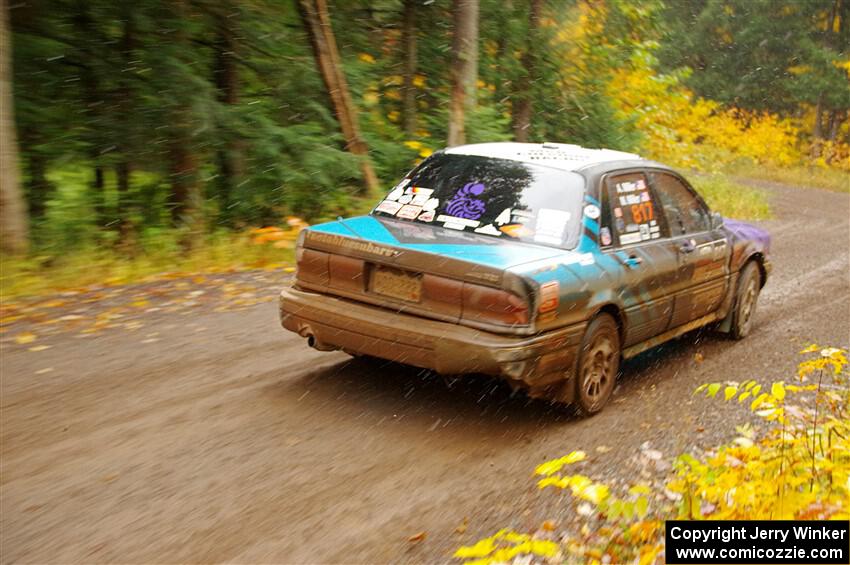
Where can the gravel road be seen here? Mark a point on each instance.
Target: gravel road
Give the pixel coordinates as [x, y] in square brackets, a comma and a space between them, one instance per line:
[225, 439]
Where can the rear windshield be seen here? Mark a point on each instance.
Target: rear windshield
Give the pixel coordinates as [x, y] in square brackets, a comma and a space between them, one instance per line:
[494, 197]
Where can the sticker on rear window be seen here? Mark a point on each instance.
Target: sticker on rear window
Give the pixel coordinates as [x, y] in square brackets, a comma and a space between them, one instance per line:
[550, 226]
[409, 212]
[464, 203]
[426, 216]
[489, 229]
[454, 220]
[421, 195]
[388, 207]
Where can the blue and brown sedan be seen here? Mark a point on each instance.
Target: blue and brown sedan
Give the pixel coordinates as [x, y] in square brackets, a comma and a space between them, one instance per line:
[544, 264]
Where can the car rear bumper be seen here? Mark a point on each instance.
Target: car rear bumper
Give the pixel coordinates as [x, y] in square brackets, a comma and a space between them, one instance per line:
[333, 323]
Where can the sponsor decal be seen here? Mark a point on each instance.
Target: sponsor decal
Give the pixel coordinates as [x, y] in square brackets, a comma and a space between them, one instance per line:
[431, 204]
[592, 212]
[409, 212]
[426, 216]
[444, 218]
[405, 198]
[489, 229]
[549, 296]
[397, 192]
[388, 207]
[517, 230]
[550, 226]
[353, 244]
[464, 203]
[454, 226]
[629, 238]
[605, 236]
[504, 217]
[421, 195]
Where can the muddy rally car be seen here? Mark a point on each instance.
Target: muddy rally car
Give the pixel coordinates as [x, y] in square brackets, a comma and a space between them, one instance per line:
[543, 264]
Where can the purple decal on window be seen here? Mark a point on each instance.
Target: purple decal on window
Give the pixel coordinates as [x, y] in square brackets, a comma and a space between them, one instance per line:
[464, 204]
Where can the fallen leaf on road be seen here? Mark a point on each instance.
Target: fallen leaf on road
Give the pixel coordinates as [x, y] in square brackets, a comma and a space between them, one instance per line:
[43, 371]
[548, 525]
[416, 538]
[602, 449]
[462, 528]
[24, 338]
[699, 357]
[39, 347]
[584, 509]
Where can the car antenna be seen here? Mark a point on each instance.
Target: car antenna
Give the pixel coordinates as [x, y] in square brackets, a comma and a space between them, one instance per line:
[341, 220]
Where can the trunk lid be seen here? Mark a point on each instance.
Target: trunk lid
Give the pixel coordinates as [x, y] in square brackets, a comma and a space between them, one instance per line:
[425, 270]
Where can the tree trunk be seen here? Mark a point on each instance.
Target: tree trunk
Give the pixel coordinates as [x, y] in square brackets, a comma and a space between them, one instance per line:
[186, 188]
[836, 118]
[410, 64]
[314, 15]
[522, 107]
[92, 100]
[126, 105]
[817, 133]
[464, 69]
[230, 156]
[38, 187]
[14, 228]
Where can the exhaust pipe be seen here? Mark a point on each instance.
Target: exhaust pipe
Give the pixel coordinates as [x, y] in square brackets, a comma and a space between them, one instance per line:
[315, 343]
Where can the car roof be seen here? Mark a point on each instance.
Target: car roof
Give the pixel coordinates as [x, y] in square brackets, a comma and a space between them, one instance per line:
[557, 155]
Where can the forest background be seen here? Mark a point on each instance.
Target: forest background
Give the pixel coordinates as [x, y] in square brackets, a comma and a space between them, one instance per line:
[182, 135]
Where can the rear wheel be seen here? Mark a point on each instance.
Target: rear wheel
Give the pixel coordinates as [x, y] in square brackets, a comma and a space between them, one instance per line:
[746, 299]
[597, 366]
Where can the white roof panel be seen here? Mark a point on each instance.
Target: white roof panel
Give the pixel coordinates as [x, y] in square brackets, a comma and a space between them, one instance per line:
[558, 155]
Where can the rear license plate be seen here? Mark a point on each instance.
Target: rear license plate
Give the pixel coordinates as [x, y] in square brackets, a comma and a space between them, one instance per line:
[397, 284]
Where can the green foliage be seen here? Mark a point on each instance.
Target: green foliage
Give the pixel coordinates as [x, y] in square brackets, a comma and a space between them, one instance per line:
[761, 54]
[732, 199]
[131, 114]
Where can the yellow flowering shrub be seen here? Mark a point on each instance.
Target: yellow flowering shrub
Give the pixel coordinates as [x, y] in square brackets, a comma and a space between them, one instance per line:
[689, 131]
[797, 469]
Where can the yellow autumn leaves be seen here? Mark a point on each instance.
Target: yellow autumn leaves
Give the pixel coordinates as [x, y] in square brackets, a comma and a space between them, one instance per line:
[798, 469]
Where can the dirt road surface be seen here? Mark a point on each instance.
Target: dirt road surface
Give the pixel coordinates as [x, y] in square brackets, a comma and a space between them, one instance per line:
[222, 438]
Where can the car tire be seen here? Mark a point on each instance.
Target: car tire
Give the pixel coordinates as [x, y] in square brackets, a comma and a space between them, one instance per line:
[746, 299]
[597, 365]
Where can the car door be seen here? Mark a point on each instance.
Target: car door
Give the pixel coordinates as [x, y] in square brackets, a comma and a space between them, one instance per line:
[702, 252]
[633, 233]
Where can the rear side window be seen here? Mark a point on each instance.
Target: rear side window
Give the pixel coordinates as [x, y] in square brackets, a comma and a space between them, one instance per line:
[685, 212]
[632, 212]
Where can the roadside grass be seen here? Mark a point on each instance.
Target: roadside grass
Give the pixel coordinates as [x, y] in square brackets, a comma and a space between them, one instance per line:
[732, 199]
[44, 272]
[813, 177]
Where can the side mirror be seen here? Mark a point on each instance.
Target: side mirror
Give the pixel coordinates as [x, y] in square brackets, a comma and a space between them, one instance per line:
[716, 221]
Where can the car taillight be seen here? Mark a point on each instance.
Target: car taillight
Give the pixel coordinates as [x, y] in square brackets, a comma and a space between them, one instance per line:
[312, 266]
[491, 305]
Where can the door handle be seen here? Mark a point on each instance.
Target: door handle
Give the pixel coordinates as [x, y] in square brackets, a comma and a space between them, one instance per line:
[634, 260]
[688, 246]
